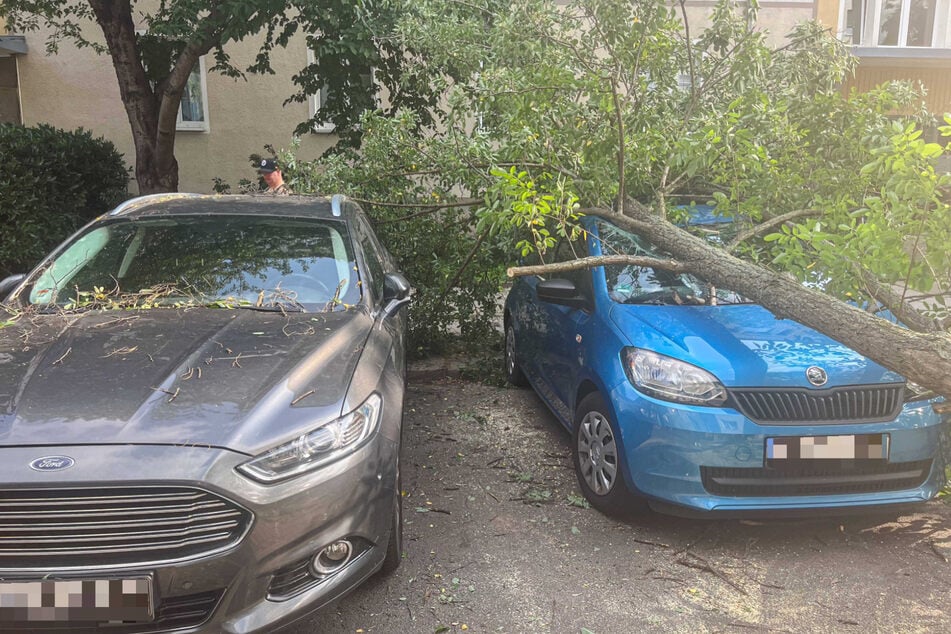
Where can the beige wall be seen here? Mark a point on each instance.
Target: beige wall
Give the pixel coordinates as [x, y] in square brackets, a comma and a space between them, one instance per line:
[78, 88]
[776, 17]
[827, 12]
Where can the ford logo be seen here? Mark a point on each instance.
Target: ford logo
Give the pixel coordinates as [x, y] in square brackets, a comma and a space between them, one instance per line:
[817, 376]
[52, 463]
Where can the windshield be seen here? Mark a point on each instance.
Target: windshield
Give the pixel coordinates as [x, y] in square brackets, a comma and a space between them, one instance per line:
[233, 261]
[629, 284]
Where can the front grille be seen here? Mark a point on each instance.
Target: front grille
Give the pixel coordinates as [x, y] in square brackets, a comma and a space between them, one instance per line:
[792, 406]
[831, 477]
[171, 614]
[62, 528]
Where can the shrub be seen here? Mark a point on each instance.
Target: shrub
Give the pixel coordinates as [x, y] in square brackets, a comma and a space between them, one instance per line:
[51, 182]
[456, 268]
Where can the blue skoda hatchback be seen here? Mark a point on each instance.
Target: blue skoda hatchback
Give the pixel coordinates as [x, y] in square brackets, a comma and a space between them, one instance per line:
[696, 401]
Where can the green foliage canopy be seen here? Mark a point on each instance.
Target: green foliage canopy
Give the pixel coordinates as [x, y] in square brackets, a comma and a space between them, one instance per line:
[623, 108]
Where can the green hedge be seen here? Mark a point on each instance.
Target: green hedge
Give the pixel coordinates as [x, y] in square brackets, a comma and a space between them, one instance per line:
[51, 182]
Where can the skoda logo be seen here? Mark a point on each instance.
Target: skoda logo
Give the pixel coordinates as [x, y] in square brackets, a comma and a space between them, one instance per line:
[52, 463]
[817, 376]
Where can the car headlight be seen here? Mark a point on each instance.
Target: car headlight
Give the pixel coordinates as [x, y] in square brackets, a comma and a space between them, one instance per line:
[671, 380]
[915, 392]
[316, 448]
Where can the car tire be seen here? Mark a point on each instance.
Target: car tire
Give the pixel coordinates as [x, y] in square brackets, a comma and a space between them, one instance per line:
[513, 371]
[394, 545]
[598, 460]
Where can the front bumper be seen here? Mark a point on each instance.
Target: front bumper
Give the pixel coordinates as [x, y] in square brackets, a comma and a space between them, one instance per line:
[231, 590]
[671, 450]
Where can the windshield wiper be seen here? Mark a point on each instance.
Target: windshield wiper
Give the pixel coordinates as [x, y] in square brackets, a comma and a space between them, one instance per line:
[275, 308]
[661, 297]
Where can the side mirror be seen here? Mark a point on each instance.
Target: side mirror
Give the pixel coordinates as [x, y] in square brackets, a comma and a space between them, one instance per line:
[396, 292]
[7, 284]
[562, 292]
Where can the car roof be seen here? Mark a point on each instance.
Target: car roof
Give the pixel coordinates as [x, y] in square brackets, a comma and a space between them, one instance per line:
[296, 206]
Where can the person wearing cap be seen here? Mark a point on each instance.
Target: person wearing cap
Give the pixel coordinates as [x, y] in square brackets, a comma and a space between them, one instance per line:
[271, 174]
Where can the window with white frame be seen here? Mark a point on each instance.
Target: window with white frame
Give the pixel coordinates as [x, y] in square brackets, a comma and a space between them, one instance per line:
[897, 23]
[193, 112]
[317, 100]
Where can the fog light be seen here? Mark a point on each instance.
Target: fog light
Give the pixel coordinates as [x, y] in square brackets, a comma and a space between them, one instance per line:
[332, 558]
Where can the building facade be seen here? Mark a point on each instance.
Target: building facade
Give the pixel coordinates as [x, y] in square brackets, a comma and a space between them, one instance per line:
[896, 39]
[221, 121]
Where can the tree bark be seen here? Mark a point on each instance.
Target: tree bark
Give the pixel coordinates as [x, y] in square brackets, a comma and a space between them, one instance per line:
[602, 260]
[156, 169]
[924, 358]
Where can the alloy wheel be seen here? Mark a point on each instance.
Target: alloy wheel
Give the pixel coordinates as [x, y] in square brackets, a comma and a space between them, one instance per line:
[597, 453]
[510, 351]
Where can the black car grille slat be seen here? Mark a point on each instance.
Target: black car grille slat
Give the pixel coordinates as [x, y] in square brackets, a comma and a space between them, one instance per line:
[826, 477]
[291, 580]
[793, 406]
[112, 546]
[49, 527]
[62, 528]
[102, 511]
[172, 613]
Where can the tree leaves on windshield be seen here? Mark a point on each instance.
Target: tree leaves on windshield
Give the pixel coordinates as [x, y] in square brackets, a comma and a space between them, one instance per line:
[259, 262]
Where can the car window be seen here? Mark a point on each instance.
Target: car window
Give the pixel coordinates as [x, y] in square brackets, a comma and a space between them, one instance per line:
[630, 284]
[84, 252]
[371, 256]
[243, 259]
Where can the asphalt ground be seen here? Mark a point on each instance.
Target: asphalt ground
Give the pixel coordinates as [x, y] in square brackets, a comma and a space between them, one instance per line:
[498, 539]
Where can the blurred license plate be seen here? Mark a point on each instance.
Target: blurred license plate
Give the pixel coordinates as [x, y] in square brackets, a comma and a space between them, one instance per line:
[98, 600]
[788, 450]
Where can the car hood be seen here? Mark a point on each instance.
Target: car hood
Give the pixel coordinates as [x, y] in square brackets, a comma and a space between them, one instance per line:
[239, 379]
[745, 345]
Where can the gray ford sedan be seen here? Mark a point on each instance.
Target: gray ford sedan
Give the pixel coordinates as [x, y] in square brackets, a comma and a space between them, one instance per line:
[200, 412]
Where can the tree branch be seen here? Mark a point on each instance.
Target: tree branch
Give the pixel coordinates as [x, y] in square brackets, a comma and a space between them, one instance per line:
[481, 166]
[924, 358]
[468, 202]
[619, 119]
[896, 303]
[693, 72]
[465, 265]
[425, 209]
[634, 210]
[766, 225]
[713, 80]
[593, 261]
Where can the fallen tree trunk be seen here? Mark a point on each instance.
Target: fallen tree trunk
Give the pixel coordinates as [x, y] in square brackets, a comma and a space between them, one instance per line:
[924, 358]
